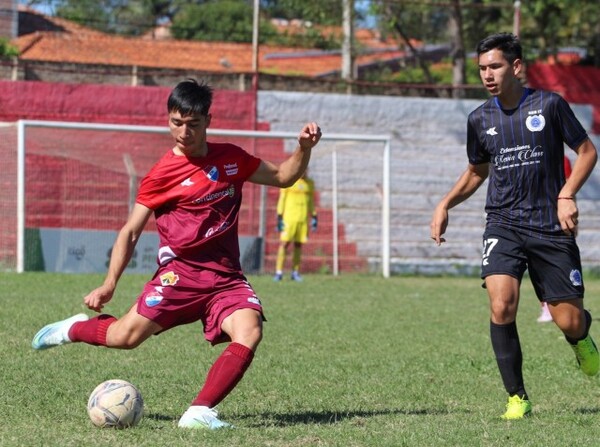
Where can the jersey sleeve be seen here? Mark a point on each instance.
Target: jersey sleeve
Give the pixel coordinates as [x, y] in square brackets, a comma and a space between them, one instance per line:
[571, 129]
[475, 149]
[154, 188]
[248, 164]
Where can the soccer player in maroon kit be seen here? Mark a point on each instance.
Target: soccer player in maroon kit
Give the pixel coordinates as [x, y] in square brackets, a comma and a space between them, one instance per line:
[516, 140]
[195, 193]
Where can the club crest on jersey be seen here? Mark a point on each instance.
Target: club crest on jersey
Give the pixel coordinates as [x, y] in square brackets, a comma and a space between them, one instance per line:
[153, 299]
[169, 279]
[575, 277]
[212, 173]
[535, 123]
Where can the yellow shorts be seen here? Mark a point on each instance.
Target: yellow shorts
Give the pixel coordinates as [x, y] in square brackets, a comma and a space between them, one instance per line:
[294, 232]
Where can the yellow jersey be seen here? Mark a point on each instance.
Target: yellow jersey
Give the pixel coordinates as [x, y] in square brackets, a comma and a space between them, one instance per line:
[296, 203]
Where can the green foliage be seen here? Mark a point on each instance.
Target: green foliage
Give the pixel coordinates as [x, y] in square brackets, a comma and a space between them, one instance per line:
[350, 361]
[7, 50]
[307, 38]
[226, 20]
[91, 13]
[441, 74]
[323, 12]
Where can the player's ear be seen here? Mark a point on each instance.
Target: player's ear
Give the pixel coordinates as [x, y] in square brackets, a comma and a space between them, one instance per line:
[208, 118]
[517, 66]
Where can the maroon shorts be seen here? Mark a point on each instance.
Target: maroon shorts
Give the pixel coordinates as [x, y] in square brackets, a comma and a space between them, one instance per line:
[180, 294]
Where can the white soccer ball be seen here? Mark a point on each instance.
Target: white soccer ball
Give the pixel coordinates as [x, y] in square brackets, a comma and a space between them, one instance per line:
[115, 404]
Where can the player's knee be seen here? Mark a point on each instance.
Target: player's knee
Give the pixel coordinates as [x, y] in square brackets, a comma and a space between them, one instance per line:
[249, 336]
[124, 339]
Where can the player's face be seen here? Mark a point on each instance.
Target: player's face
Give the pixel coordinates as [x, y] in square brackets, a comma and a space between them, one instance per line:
[497, 74]
[189, 132]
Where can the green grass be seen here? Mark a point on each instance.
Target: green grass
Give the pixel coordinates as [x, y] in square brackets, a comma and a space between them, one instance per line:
[348, 361]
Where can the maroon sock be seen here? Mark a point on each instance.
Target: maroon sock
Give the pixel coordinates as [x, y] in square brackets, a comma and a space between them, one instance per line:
[92, 331]
[224, 375]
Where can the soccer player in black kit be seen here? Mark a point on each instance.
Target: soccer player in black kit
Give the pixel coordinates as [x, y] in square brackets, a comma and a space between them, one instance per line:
[515, 139]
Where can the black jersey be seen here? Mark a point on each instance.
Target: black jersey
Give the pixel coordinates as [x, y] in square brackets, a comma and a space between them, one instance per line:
[525, 149]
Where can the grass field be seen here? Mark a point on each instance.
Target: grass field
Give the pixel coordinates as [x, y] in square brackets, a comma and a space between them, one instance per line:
[348, 361]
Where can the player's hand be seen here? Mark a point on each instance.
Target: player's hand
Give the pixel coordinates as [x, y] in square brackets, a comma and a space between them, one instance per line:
[314, 222]
[439, 223]
[280, 223]
[97, 298]
[568, 215]
[309, 136]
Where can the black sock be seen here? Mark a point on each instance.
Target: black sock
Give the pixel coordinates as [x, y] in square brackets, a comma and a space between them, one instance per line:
[507, 348]
[588, 323]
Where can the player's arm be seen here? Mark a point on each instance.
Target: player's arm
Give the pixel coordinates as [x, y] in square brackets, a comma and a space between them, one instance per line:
[464, 188]
[120, 256]
[567, 207]
[285, 174]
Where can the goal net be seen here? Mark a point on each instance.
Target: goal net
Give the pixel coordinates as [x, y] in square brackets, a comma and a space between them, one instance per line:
[67, 189]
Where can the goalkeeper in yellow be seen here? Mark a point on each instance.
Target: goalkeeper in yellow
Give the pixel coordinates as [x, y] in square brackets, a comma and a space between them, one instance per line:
[295, 208]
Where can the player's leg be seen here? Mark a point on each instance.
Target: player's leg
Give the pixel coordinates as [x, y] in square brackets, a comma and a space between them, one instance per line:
[300, 238]
[296, 259]
[503, 291]
[130, 330]
[575, 322]
[280, 261]
[103, 330]
[555, 270]
[243, 327]
[503, 266]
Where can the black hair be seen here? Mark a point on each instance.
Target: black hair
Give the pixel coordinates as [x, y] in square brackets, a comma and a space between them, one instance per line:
[190, 97]
[508, 43]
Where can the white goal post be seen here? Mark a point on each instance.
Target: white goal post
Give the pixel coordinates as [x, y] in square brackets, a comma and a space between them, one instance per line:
[125, 164]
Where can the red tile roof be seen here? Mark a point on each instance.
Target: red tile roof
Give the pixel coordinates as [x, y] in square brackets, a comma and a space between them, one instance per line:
[81, 45]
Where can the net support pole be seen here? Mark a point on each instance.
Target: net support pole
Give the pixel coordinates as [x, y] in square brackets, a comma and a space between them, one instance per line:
[385, 210]
[132, 179]
[334, 206]
[20, 196]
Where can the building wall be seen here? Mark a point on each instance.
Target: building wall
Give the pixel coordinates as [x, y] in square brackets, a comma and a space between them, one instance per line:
[8, 19]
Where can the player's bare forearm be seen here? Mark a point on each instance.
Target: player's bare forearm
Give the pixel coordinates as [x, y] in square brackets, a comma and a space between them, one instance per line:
[120, 256]
[285, 174]
[464, 188]
[583, 167]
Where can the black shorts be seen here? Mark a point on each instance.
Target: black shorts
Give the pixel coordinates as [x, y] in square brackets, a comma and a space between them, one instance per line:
[554, 266]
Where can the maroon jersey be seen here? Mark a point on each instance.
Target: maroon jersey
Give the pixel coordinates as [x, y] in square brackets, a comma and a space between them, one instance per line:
[196, 202]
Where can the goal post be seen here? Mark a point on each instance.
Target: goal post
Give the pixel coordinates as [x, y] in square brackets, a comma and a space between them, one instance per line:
[66, 166]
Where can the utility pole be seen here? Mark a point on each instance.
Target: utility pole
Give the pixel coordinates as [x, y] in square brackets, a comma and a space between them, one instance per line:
[347, 50]
[517, 18]
[255, 26]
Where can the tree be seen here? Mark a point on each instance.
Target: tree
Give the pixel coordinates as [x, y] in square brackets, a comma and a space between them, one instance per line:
[457, 51]
[225, 20]
[6, 49]
[323, 12]
[129, 17]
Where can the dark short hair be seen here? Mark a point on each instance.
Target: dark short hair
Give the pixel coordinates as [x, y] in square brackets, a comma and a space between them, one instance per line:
[190, 97]
[508, 43]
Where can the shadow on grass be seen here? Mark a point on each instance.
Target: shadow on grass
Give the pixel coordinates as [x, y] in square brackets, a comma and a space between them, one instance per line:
[595, 410]
[160, 417]
[330, 417]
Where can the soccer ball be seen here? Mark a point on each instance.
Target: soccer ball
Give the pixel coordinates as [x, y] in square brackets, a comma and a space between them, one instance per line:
[115, 404]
